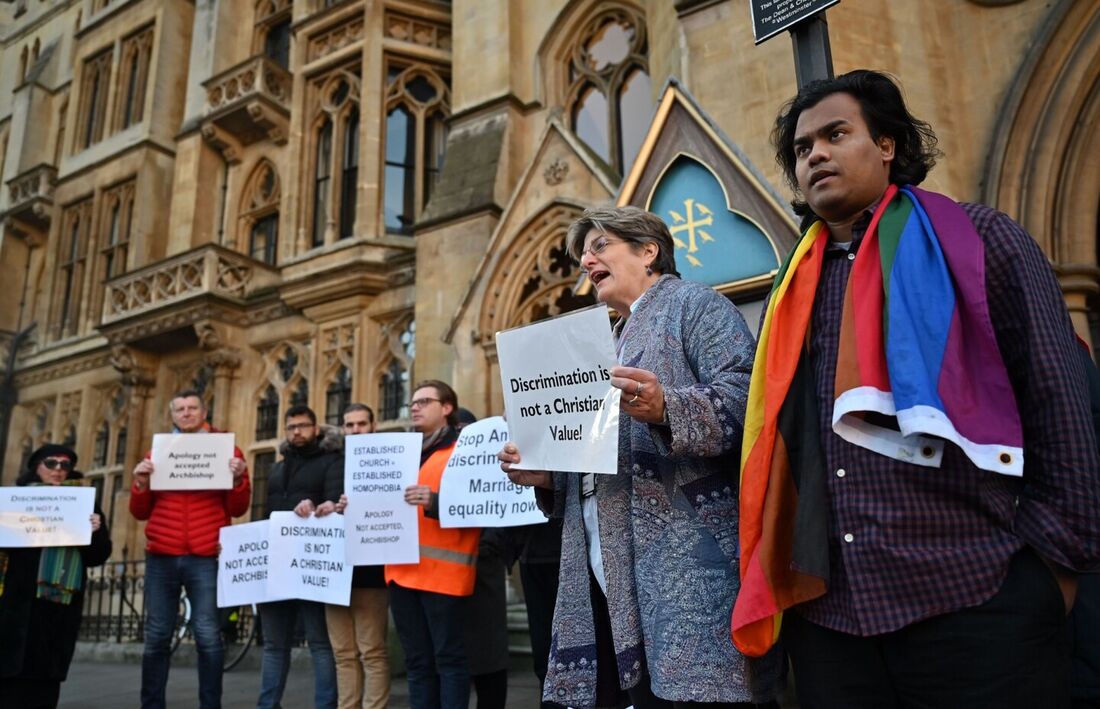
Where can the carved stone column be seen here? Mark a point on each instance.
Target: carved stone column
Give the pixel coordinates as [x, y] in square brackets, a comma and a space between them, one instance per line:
[138, 379]
[225, 361]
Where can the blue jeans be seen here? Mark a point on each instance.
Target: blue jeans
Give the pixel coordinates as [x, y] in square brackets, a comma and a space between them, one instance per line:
[164, 576]
[279, 620]
[431, 629]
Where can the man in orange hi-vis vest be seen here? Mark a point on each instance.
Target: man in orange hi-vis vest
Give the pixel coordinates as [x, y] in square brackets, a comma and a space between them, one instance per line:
[428, 599]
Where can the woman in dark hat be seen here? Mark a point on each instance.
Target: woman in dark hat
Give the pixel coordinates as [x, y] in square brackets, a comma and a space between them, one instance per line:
[42, 596]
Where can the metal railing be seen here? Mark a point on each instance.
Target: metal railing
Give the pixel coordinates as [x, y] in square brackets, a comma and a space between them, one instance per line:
[114, 602]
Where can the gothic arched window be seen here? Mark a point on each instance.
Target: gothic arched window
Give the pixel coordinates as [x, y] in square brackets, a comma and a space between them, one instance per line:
[260, 213]
[417, 104]
[335, 157]
[609, 97]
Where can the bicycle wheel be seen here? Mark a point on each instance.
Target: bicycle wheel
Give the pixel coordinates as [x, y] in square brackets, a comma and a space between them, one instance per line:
[238, 631]
[183, 619]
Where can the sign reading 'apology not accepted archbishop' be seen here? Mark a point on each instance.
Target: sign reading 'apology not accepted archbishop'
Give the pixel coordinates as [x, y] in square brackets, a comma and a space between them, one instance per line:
[563, 413]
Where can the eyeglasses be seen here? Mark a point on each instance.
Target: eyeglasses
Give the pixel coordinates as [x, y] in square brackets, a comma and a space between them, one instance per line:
[55, 463]
[598, 246]
[298, 427]
[421, 403]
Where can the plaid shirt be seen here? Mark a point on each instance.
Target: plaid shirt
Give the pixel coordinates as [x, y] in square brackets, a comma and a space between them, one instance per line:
[907, 542]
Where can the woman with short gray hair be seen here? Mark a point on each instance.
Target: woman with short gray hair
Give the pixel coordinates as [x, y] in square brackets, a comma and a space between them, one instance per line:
[649, 565]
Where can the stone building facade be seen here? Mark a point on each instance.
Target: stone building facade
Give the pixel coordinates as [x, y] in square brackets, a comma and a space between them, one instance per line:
[321, 201]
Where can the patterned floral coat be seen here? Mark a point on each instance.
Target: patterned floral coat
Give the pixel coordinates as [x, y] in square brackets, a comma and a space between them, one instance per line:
[668, 519]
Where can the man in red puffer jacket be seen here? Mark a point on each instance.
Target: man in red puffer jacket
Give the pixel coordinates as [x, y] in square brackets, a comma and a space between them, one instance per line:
[182, 551]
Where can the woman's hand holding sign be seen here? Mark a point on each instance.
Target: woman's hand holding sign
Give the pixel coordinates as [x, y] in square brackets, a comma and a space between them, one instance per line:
[643, 397]
[528, 478]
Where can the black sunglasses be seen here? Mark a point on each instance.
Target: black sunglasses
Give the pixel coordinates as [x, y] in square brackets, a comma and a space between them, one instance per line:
[55, 463]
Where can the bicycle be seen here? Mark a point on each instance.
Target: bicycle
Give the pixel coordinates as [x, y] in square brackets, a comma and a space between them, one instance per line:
[238, 627]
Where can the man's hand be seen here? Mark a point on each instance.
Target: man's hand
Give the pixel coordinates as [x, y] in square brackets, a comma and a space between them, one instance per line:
[304, 508]
[325, 508]
[341, 505]
[141, 475]
[418, 495]
[239, 468]
[508, 456]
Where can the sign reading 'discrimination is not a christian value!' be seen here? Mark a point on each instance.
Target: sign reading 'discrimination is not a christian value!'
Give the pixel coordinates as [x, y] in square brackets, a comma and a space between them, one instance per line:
[307, 558]
[192, 461]
[382, 527]
[46, 516]
[563, 413]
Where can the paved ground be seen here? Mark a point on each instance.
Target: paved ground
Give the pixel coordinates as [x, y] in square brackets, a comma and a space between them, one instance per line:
[98, 685]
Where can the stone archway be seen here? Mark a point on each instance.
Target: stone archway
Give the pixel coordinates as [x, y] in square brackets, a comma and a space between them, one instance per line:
[1044, 163]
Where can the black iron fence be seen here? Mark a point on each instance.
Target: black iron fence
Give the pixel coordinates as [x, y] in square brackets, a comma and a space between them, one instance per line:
[114, 602]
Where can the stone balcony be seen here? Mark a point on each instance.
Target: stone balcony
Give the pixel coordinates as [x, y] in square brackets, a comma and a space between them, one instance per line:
[247, 103]
[30, 196]
[208, 282]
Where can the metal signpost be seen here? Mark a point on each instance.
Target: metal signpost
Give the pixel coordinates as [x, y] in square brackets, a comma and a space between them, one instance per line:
[813, 59]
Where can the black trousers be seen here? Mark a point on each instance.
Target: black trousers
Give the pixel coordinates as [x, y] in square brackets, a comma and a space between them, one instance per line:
[641, 696]
[1008, 652]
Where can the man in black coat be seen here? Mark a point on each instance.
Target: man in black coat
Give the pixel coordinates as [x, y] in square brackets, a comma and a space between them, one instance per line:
[308, 480]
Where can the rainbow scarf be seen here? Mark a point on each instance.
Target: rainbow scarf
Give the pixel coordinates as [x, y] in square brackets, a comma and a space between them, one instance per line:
[917, 349]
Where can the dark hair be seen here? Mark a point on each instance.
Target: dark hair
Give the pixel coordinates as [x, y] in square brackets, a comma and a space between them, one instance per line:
[187, 394]
[300, 410]
[884, 110]
[446, 394]
[360, 407]
[631, 224]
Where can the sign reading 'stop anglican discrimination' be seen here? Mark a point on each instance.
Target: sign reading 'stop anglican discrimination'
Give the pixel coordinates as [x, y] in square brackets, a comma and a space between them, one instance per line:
[563, 413]
[474, 491]
[307, 558]
[46, 516]
[192, 461]
[770, 17]
[382, 527]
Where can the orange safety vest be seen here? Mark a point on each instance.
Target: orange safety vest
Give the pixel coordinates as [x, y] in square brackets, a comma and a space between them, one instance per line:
[448, 557]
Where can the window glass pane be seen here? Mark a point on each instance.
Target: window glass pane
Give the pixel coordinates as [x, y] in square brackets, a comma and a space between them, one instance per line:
[321, 182]
[267, 415]
[337, 396]
[131, 91]
[102, 438]
[339, 94]
[277, 43]
[400, 174]
[590, 122]
[609, 46]
[435, 139]
[635, 107]
[420, 89]
[120, 447]
[264, 238]
[348, 191]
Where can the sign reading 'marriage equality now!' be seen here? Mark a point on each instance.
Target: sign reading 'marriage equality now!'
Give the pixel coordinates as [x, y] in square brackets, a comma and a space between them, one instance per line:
[563, 413]
[474, 491]
[46, 516]
[192, 461]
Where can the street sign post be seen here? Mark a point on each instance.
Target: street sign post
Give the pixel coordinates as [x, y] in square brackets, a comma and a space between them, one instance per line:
[813, 58]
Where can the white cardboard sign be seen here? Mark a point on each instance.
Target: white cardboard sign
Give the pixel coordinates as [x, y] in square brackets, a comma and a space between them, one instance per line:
[192, 461]
[382, 528]
[243, 565]
[46, 516]
[563, 413]
[474, 491]
[307, 558]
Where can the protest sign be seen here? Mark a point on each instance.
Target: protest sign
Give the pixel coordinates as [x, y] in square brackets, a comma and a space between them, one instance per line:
[243, 566]
[192, 461]
[382, 528]
[306, 558]
[474, 491]
[563, 413]
[46, 516]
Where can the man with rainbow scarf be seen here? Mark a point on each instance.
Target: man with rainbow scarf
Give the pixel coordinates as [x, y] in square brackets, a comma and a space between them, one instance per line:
[919, 482]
